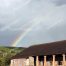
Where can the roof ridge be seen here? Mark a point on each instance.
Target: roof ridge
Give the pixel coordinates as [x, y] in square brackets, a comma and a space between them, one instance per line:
[48, 43]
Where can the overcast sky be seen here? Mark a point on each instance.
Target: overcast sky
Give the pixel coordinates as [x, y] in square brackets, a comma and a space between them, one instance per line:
[32, 22]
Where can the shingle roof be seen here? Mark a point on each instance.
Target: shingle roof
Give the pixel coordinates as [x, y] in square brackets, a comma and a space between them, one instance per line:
[58, 47]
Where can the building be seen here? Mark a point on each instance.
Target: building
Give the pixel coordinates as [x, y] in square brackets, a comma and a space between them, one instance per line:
[49, 54]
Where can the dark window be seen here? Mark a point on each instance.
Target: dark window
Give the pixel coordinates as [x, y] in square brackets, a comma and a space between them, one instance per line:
[59, 63]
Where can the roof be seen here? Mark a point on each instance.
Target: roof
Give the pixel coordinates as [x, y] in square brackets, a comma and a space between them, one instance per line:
[58, 47]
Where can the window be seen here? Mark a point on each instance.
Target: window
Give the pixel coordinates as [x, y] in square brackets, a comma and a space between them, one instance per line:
[59, 62]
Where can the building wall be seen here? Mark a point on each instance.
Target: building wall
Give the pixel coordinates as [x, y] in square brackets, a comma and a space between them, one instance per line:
[22, 62]
[18, 62]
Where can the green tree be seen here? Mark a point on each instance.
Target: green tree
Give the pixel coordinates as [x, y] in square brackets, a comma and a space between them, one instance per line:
[6, 53]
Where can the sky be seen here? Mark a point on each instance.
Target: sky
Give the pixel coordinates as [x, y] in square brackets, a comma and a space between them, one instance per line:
[28, 22]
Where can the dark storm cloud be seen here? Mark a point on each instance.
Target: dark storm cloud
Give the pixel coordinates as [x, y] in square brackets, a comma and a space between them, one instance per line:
[8, 37]
[58, 32]
[59, 2]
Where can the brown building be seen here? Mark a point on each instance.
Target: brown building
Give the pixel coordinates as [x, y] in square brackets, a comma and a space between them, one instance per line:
[49, 54]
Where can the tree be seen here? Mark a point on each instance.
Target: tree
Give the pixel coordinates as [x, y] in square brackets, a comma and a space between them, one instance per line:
[6, 53]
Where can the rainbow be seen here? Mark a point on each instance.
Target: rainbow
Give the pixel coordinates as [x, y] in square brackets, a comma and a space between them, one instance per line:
[22, 35]
[35, 22]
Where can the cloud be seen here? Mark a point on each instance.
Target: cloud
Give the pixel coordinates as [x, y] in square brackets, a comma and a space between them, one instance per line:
[17, 16]
[59, 2]
[8, 37]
